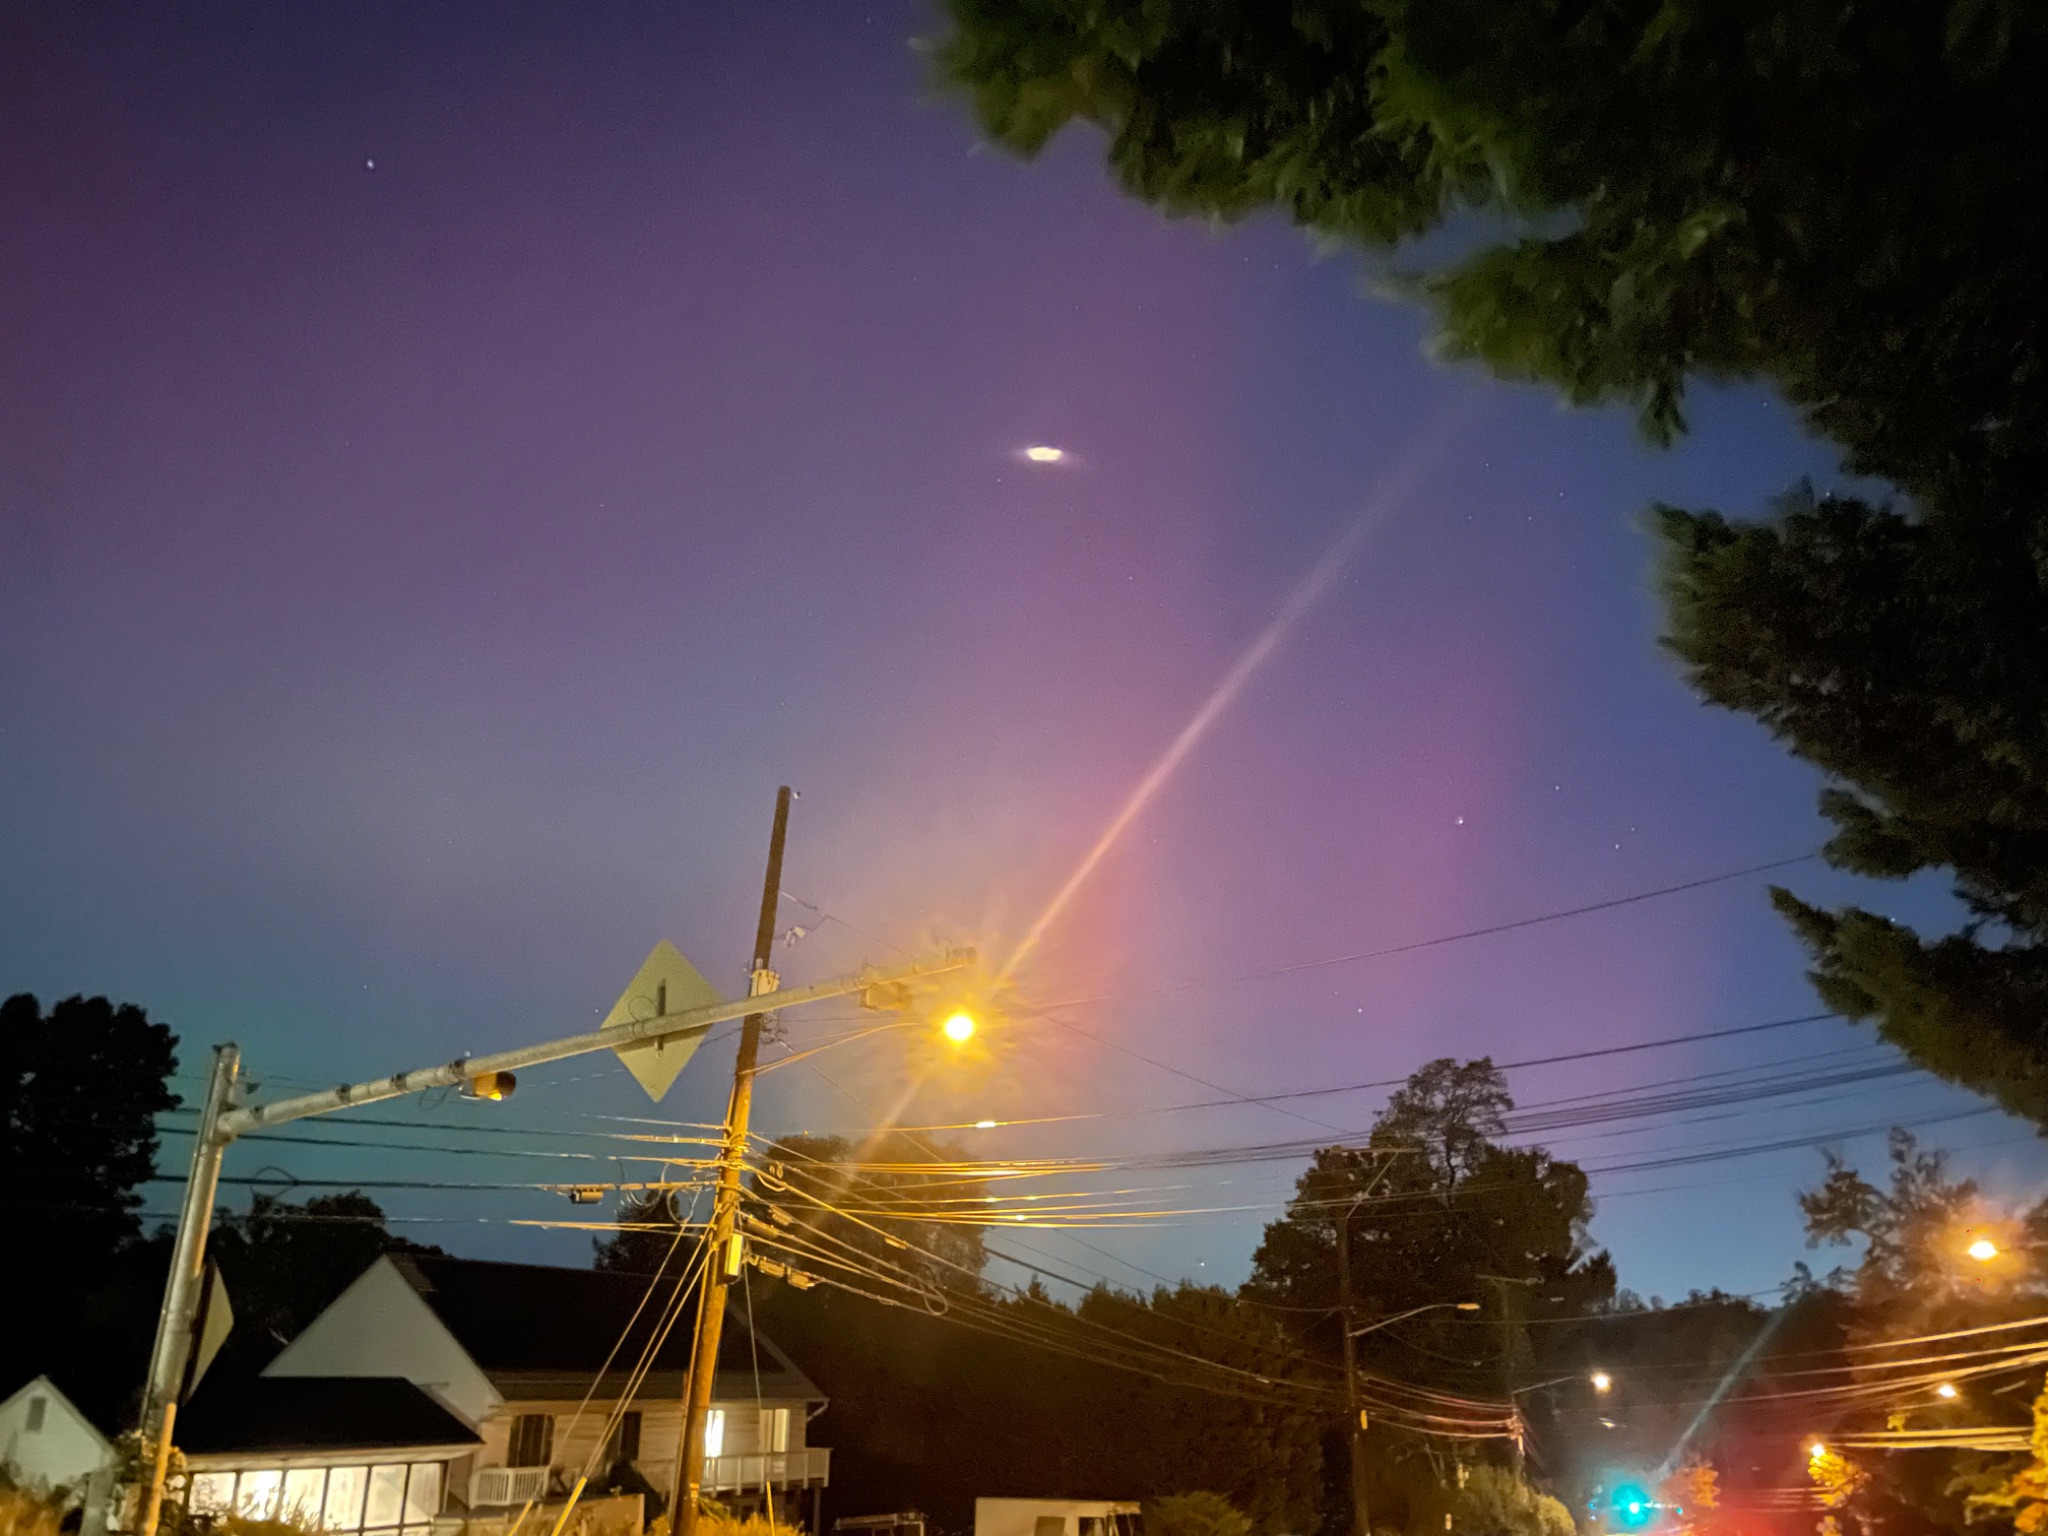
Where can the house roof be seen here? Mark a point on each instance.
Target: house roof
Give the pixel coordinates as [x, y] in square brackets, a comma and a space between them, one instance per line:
[43, 1384]
[533, 1320]
[282, 1414]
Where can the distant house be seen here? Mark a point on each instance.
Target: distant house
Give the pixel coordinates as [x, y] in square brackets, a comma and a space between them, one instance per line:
[46, 1443]
[533, 1360]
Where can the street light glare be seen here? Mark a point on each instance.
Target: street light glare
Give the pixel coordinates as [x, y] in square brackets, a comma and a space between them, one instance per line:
[1946, 1389]
[1983, 1250]
[1602, 1381]
[1816, 1451]
[1044, 453]
[959, 1027]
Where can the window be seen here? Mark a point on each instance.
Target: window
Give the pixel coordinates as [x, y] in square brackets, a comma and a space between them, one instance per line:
[624, 1444]
[422, 1493]
[256, 1496]
[37, 1407]
[774, 1429]
[714, 1432]
[344, 1508]
[1049, 1525]
[303, 1487]
[533, 1440]
[213, 1493]
[387, 1496]
[1092, 1525]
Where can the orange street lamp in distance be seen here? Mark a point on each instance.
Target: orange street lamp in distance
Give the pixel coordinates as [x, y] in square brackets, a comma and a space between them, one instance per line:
[1983, 1250]
[1816, 1451]
[959, 1026]
[1946, 1390]
[1602, 1382]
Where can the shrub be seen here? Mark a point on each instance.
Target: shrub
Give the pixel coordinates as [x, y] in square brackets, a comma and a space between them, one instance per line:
[1194, 1514]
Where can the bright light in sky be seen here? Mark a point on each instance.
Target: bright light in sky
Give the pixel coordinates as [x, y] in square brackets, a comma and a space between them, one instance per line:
[1045, 453]
[1983, 1250]
[959, 1027]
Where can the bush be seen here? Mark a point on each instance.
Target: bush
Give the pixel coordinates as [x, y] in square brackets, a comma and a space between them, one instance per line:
[1495, 1502]
[714, 1519]
[1194, 1514]
[22, 1513]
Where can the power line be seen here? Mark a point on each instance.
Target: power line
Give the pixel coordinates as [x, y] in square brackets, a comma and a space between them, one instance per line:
[1452, 938]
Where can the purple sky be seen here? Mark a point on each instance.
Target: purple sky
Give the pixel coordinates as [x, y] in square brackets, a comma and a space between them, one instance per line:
[454, 463]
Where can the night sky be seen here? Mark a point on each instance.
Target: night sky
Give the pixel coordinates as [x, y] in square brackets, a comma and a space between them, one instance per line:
[456, 462]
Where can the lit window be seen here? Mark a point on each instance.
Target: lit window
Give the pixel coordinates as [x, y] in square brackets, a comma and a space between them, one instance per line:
[714, 1432]
[213, 1493]
[774, 1429]
[387, 1496]
[422, 1493]
[303, 1487]
[256, 1497]
[344, 1510]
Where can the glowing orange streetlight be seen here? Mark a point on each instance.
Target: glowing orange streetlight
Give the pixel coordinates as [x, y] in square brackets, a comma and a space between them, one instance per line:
[959, 1026]
[1946, 1390]
[1602, 1382]
[1983, 1250]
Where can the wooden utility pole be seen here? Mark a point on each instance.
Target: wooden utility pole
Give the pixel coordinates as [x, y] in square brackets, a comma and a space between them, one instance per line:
[722, 1263]
[1354, 1429]
[1512, 1344]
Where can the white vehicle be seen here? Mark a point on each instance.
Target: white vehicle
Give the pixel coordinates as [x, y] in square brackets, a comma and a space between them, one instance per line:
[1055, 1517]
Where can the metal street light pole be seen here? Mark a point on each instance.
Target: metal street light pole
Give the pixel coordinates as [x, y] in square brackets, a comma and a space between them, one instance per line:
[174, 1341]
[221, 1121]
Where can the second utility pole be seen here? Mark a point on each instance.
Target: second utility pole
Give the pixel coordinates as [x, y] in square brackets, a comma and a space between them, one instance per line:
[722, 1262]
[1354, 1431]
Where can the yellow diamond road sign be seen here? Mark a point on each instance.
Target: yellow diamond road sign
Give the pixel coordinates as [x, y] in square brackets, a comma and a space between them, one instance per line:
[667, 983]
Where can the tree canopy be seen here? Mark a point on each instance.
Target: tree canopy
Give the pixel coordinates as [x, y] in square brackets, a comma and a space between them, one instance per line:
[1436, 1212]
[1841, 202]
[80, 1089]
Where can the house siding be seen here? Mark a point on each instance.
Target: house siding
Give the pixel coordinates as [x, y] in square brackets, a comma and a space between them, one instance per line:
[576, 1441]
[380, 1326]
[61, 1452]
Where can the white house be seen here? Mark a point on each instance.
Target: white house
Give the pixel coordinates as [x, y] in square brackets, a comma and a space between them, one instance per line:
[46, 1443]
[535, 1359]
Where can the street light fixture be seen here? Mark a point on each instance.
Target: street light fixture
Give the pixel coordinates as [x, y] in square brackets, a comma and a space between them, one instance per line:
[1946, 1390]
[1983, 1250]
[959, 1026]
[1455, 1306]
[1602, 1382]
